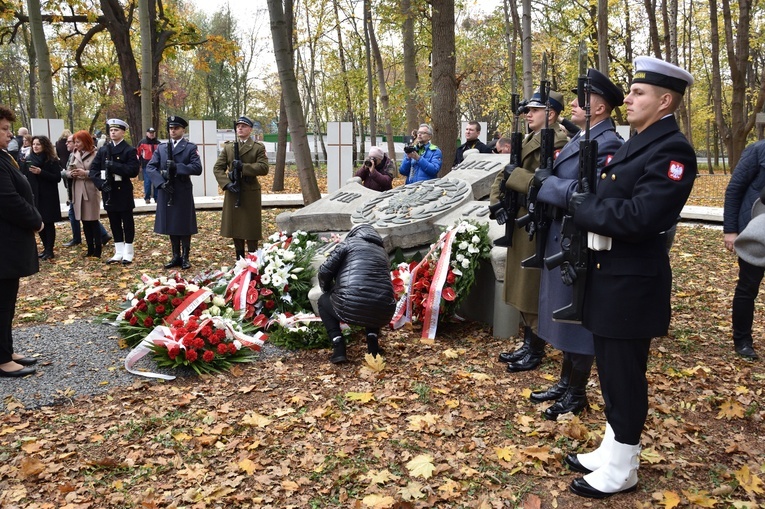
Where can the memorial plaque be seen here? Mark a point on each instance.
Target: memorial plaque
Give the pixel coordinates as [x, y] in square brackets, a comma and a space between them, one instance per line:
[479, 170]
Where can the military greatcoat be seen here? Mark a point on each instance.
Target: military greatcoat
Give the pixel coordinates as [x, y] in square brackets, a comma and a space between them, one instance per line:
[243, 222]
[556, 192]
[181, 217]
[522, 285]
[640, 195]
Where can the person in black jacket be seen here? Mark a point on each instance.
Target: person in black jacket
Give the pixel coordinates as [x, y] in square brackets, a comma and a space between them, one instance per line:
[44, 174]
[114, 165]
[472, 132]
[357, 288]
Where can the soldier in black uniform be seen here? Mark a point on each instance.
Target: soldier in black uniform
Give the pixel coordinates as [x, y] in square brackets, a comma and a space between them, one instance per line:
[178, 220]
[113, 167]
[641, 192]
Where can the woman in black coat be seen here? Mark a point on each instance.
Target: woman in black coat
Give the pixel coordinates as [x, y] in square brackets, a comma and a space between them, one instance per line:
[19, 220]
[357, 288]
[44, 176]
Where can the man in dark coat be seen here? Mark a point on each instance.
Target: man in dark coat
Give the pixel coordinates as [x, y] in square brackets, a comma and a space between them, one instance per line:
[19, 220]
[176, 215]
[574, 340]
[116, 162]
[472, 132]
[242, 223]
[627, 301]
[745, 186]
[355, 279]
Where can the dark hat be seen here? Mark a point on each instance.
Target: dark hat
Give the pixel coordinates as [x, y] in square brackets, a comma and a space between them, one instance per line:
[750, 243]
[660, 73]
[244, 120]
[151, 130]
[555, 100]
[605, 88]
[176, 121]
[115, 122]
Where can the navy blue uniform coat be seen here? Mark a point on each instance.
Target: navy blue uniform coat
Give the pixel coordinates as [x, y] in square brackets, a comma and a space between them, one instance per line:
[181, 218]
[557, 191]
[126, 165]
[639, 196]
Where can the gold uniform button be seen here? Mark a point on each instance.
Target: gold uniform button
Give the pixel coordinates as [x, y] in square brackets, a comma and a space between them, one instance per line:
[613, 176]
[602, 176]
[597, 266]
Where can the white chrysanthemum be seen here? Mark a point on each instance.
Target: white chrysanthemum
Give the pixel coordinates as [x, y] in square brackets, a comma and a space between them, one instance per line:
[192, 287]
[473, 249]
[476, 239]
[214, 310]
[463, 245]
[465, 263]
[460, 257]
[219, 301]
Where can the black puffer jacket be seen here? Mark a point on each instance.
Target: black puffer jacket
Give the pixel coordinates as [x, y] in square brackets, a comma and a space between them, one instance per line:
[357, 273]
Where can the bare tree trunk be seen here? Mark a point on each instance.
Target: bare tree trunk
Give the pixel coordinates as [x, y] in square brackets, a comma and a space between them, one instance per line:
[281, 148]
[410, 67]
[370, 77]
[43, 59]
[349, 116]
[284, 63]
[653, 29]
[444, 101]
[146, 65]
[603, 36]
[384, 99]
[528, 78]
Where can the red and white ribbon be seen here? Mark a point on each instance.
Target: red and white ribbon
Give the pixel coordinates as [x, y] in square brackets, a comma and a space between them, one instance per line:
[433, 302]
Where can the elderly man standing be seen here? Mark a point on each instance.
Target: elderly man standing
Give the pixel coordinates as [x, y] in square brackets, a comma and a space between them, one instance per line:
[639, 196]
[170, 171]
[241, 219]
[423, 160]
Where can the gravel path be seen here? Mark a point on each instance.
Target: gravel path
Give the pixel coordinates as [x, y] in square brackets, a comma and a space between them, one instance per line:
[77, 359]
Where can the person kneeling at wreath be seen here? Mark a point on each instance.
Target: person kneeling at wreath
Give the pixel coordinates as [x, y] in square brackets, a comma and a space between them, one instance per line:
[357, 288]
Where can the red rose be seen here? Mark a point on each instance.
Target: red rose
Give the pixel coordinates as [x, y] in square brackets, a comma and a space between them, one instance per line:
[128, 314]
[270, 304]
[176, 302]
[202, 306]
[160, 309]
[152, 298]
[157, 283]
[172, 291]
[180, 288]
[191, 355]
[133, 320]
[163, 298]
[148, 321]
[450, 277]
[222, 348]
[142, 306]
[449, 294]
[286, 289]
[232, 348]
[208, 356]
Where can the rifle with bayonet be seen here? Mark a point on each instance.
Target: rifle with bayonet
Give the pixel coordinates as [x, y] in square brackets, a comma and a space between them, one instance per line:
[574, 256]
[505, 210]
[536, 221]
[236, 173]
[106, 187]
[171, 171]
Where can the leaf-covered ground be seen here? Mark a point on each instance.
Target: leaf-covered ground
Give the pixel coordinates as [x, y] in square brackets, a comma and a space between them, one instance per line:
[441, 423]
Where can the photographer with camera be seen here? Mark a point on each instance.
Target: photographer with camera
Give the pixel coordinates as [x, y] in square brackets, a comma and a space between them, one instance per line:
[377, 171]
[422, 161]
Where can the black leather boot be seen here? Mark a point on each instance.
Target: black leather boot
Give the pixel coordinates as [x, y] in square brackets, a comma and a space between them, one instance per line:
[176, 260]
[533, 357]
[373, 346]
[185, 248]
[557, 390]
[575, 398]
[518, 353]
[240, 254]
[338, 352]
[745, 349]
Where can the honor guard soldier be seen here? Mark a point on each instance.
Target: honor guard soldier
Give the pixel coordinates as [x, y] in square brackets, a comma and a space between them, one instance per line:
[522, 284]
[114, 165]
[574, 340]
[238, 177]
[639, 196]
[170, 170]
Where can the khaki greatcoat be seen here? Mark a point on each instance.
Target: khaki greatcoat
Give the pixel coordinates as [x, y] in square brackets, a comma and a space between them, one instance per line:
[243, 222]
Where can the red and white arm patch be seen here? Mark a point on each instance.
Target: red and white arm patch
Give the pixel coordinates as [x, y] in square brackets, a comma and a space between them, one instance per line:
[608, 159]
[676, 170]
[555, 154]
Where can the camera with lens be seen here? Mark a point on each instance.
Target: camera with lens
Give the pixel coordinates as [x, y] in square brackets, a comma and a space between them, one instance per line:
[368, 163]
[410, 148]
[523, 107]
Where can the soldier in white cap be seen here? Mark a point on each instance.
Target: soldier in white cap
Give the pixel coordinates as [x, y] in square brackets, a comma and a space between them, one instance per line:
[639, 196]
[114, 165]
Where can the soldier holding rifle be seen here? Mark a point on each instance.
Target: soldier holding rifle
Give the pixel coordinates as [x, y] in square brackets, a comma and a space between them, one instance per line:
[170, 170]
[591, 111]
[639, 196]
[522, 285]
[238, 177]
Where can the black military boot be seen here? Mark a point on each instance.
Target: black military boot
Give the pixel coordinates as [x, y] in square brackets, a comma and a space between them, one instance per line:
[185, 248]
[373, 347]
[338, 352]
[533, 357]
[518, 353]
[575, 398]
[175, 261]
[557, 390]
[240, 254]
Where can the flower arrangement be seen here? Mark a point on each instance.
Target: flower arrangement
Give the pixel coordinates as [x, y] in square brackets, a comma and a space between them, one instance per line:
[298, 331]
[433, 288]
[205, 343]
[159, 301]
[274, 279]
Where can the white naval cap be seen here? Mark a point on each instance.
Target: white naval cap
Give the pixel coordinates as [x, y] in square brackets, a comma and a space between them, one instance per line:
[661, 73]
[116, 122]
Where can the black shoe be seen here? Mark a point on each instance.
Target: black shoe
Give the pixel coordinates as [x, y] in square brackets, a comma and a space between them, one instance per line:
[105, 239]
[517, 354]
[26, 370]
[176, 261]
[575, 398]
[47, 256]
[373, 346]
[73, 243]
[747, 352]
[26, 361]
[554, 392]
[573, 463]
[582, 488]
[529, 362]
[338, 352]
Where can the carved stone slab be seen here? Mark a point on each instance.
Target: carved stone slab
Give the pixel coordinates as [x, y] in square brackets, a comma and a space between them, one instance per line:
[479, 170]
